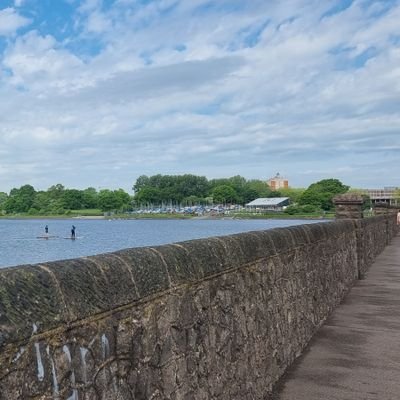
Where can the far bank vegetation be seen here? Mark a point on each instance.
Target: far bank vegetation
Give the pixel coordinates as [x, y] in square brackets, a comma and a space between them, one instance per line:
[167, 194]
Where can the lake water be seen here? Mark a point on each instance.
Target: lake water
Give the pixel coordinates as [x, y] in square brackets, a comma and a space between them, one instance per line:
[19, 243]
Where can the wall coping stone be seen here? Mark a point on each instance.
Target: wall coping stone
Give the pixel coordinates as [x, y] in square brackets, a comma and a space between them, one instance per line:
[348, 198]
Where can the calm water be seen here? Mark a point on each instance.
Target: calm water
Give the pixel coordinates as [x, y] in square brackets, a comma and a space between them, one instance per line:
[19, 243]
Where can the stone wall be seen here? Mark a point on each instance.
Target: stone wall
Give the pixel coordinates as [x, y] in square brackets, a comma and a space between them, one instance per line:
[218, 318]
[374, 234]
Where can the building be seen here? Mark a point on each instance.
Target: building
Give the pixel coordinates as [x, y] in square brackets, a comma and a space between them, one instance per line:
[389, 195]
[268, 204]
[278, 182]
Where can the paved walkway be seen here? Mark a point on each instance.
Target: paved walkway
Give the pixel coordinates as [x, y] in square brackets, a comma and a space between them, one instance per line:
[356, 354]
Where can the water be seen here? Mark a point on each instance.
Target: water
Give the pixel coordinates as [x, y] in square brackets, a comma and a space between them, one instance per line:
[19, 243]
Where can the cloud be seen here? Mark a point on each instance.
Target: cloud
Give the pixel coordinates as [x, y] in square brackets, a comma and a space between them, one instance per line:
[304, 87]
[11, 21]
[37, 62]
[98, 23]
[89, 5]
[164, 80]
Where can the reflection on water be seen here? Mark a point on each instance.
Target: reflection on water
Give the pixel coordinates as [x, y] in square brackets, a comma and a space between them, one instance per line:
[19, 242]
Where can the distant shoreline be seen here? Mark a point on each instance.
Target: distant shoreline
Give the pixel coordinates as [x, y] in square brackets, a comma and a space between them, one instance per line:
[165, 217]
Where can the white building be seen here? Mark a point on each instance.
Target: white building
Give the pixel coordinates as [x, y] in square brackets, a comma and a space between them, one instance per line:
[268, 204]
[389, 195]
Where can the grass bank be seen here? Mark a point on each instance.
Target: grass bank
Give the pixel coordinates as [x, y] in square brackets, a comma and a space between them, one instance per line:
[98, 214]
[282, 216]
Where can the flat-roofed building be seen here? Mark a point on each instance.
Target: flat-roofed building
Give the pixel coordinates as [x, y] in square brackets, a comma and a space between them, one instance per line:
[278, 182]
[268, 204]
[389, 195]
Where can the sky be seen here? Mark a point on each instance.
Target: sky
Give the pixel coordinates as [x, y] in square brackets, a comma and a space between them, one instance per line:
[98, 92]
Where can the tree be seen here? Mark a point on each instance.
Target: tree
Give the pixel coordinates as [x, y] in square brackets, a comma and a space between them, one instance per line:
[320, 194]
[275, 193]
[72, 199]
[20, 200]
[249, 194]
[42, 202]
[224, 194]
[141, 183]
[90, 198]
[192, 185]
[56, 191]
[122, 199]
[148, 195]
[113, 200]
[239, 185]
[157, 189]
[259, 186]
[3, 199]
[246, 191]
[293, 193]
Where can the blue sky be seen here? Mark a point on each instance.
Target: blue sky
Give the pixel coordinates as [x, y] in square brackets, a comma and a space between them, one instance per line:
[96, 93]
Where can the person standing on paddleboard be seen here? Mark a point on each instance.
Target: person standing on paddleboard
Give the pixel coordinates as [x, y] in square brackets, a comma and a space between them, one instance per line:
[46, 229]
[73, 232]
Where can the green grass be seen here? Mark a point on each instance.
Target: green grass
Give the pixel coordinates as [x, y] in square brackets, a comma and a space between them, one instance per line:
[90, 212]
[150, 216]
[67, 214]
[99, 213]
[282, 216]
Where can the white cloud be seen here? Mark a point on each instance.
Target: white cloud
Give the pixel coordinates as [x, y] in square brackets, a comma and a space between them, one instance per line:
[98, 23]
[11, 21]
[195, 87]
[89, 5]
[38, 63]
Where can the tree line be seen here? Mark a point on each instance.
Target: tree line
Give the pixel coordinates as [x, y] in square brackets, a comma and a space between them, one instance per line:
[184, 190]
[59, 200]
[191, 189]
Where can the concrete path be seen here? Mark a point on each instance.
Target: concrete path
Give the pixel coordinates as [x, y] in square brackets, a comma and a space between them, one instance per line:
[356, 354]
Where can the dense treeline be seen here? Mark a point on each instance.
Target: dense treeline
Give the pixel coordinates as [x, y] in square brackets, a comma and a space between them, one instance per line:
[192, 189]
[58, 200]
[185, 190]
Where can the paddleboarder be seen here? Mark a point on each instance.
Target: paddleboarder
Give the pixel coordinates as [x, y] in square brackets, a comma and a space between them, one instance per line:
[46, 229]
[73, 232]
